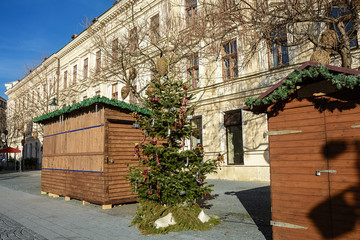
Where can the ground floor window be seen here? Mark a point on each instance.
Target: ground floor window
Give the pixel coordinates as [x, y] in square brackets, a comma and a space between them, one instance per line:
[196, 137]
[234, 141]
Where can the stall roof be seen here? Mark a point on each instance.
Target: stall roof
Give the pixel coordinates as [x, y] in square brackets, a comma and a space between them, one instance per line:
[339, 77]
[91, 101]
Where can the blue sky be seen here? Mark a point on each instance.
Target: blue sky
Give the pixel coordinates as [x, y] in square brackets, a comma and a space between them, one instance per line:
[33, 29]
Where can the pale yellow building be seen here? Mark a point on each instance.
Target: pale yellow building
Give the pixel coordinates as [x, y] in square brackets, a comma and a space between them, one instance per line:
[83, 68]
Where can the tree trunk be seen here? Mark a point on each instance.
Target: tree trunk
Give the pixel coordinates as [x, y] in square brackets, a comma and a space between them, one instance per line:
[344, 46]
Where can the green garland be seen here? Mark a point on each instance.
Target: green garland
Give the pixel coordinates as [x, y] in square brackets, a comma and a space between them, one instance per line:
[282, 92]
[90, 101]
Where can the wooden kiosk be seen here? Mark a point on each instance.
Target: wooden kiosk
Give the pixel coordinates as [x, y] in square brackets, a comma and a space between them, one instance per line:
[87, 149]
[314, 144]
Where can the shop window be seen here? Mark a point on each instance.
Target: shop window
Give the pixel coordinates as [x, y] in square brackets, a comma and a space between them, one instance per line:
[234, 141]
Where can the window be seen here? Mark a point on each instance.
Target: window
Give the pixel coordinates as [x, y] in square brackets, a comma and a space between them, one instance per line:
[74, 74]
[133, 39]
[65, 79]
[84, 97]
[86, 68]
[234, 143]
[193, 70]
[196, 137]
[97, 93]
[340, 11]
[227, 4]
[98, 62]
[278, 52]
[229, 60]
[36, 150]
[115, 49]
[30, 150]
[154, 28]
[191, 12]
[114, 91]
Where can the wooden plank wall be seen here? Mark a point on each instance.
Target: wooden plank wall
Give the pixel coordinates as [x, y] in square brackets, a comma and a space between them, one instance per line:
[119, 146]
[73, 161]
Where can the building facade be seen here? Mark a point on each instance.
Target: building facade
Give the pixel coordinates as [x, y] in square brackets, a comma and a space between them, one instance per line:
[134, 33]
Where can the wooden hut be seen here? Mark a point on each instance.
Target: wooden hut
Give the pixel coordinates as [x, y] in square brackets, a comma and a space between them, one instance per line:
[314, 138]
[87, 149]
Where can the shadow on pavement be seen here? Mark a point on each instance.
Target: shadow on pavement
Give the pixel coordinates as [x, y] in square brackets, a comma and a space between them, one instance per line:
[257, 203]
[204, 203]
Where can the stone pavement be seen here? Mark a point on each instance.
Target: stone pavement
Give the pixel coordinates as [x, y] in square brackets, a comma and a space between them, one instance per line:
[243, 207]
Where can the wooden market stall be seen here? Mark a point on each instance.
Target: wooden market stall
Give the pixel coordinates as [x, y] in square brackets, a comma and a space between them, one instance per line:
[314, 143]
[87, 149]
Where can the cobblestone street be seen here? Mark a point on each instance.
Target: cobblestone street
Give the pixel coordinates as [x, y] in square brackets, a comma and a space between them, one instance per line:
[9, 229]
[243, 207]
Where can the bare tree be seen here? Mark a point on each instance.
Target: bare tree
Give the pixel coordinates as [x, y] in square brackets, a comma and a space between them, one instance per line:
[286, 23]
[134, 51]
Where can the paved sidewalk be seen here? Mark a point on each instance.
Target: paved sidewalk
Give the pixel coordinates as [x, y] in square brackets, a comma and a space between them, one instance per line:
[243, 207]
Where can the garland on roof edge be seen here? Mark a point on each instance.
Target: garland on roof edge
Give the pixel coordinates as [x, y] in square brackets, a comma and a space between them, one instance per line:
[88, 102]
[283, 91]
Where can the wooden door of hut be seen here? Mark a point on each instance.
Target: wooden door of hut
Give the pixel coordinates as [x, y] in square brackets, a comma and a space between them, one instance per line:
[315, 171]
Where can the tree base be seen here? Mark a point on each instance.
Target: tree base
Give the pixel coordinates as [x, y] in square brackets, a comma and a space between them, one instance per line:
[186, 218]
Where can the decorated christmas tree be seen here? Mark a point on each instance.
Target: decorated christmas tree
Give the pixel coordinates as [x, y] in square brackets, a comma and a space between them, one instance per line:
[169, 175]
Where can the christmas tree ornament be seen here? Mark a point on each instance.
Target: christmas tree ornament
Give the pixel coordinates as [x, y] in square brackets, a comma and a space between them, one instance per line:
[168, 132]
[182, 193]
[157, 191]
[187, 162]
[157, 160]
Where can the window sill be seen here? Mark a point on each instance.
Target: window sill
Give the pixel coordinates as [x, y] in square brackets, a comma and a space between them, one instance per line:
[280, 66]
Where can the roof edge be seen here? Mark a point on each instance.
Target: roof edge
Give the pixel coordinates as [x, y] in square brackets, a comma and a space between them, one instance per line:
[91, 101]
[339, 70]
